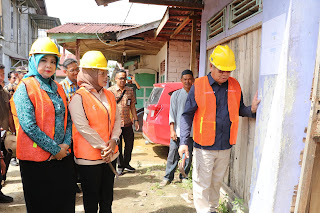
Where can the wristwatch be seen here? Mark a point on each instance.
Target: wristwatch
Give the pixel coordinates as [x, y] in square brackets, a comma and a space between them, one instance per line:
[117, 140]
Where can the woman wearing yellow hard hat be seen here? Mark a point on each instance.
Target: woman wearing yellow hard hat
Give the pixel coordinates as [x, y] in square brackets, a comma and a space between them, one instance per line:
[44, 127]
[96, 131]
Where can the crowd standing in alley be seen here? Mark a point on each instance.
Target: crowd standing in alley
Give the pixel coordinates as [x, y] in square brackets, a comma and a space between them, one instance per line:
[214, 104]
[44, 126]
[96, 131]
[6, 123]
[126, 102]
[177, 103]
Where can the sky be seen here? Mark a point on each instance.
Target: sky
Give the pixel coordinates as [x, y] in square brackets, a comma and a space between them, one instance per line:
[87, 11]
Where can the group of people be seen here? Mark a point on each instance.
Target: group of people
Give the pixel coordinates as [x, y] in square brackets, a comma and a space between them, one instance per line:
[6, 122]
[79, 122]
[74, 121]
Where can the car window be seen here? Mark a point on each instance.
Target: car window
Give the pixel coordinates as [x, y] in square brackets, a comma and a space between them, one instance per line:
[154, 96]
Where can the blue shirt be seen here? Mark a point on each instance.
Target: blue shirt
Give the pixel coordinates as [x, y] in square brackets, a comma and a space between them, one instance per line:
[177, 103]
[69, 88]
[27, 119]
[223, 122]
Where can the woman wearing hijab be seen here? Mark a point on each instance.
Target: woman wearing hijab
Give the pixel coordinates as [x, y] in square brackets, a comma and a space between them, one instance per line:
[96, 131]
[44, 129]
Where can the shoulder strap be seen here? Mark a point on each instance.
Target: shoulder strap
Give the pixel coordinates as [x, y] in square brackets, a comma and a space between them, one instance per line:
[119, 99]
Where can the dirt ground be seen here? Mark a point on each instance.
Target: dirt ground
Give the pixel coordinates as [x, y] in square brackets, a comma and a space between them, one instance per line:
[137, 192]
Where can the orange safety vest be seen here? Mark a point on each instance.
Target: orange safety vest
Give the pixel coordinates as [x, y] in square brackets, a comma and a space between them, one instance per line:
[45, 118]
[100, 119]
[204, 126]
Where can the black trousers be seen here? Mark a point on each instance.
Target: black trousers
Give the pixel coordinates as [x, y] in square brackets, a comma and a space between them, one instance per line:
[128, 136]
[97, 187]
[49, 186]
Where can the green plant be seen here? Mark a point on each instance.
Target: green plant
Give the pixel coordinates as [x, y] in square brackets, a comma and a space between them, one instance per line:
[223, 208]
[187, 184]
[238, 205]
[148, 171]
[155, 186]
[139, 164]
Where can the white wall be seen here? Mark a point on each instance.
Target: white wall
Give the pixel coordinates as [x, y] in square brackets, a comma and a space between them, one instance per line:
[179, 59]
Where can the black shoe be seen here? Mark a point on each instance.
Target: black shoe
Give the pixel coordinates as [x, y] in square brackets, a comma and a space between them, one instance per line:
[130, 168]
[120, 171]
[5, 198]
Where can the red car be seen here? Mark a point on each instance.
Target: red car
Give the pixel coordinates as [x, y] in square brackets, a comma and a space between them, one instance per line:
[156, 127]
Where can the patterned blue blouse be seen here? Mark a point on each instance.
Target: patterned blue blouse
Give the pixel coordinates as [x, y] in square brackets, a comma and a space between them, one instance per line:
[27, 120]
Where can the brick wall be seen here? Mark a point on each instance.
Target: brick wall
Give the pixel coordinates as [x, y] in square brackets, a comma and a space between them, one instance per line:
[178, 59]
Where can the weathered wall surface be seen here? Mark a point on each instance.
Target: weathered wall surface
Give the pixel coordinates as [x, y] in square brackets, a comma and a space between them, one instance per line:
[211, 8]
[289, 40]
[16, 42]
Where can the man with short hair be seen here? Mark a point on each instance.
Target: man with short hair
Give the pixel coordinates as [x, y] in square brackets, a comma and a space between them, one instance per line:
[11, 86]
[69, 84]
[21, 70]
[126, 103]
[213, 106]
[177, 103]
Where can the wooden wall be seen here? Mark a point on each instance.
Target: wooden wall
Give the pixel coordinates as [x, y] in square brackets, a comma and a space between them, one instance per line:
[247, 53]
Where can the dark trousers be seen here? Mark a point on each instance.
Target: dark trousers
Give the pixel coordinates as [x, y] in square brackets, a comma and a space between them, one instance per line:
[128, 136]
[0, 178]
[97, 187]
[49, 186]
[173, 159]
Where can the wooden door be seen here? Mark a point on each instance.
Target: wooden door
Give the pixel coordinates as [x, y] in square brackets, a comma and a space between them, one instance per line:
[247, 53]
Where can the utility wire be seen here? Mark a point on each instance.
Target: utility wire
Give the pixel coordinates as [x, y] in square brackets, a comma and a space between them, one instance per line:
[128, 13]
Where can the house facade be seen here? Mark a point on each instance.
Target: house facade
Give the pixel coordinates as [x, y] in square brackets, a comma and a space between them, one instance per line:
[273, 166]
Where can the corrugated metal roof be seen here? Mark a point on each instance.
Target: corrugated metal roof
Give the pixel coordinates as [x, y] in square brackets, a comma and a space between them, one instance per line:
[90, 28]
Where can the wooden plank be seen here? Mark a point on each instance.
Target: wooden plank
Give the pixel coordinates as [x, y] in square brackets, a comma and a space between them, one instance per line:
[170, 3]
[243, 130]
[131, 32]
[310, 145]
[193, 59]
[163, 22]
[256, 43]
[181, 26]
[78, 49]
[315, 184]
[246, 73]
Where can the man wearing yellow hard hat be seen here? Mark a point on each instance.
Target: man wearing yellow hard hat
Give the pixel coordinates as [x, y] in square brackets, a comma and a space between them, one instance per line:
[214, 104]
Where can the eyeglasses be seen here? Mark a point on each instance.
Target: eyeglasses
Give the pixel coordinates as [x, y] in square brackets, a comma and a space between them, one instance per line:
[122, 79]
[74, 70]
[222, 72]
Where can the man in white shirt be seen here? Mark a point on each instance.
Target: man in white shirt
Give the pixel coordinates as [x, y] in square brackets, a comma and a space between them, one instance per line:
[177, 103]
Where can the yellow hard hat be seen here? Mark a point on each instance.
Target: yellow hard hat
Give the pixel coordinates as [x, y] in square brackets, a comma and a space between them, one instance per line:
[94, 59]
[44, 46]
[222, 58]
